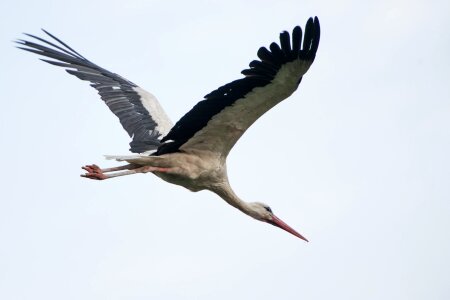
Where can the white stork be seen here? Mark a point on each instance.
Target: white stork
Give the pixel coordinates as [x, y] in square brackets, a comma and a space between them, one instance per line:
[193, 152]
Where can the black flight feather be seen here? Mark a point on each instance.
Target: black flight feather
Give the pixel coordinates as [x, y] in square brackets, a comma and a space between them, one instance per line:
[259, 74]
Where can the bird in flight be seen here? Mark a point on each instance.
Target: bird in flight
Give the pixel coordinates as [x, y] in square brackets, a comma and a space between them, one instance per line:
[193, 152]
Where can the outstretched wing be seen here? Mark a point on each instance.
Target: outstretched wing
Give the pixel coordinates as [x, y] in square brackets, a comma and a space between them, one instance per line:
[139, 112]
[216, 123]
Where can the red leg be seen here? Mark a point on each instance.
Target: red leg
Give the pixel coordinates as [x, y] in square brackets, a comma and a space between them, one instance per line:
[94, 172]
[96, 176]
[96, 169]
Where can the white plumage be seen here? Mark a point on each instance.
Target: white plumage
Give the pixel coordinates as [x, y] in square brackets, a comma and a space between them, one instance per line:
[151, 104]
[192, 153]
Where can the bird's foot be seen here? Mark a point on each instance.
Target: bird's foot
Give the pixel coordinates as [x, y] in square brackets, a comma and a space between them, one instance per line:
[93, 172]
[92, 169]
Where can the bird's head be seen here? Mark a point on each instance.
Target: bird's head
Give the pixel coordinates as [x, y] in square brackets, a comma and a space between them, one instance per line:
[263, 212]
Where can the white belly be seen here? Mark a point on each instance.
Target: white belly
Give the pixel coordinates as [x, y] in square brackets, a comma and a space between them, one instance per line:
[195, 172]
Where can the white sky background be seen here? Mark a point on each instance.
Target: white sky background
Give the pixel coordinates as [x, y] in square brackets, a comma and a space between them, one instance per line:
[357, 159]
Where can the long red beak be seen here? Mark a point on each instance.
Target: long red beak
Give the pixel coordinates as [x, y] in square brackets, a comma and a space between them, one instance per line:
[279, 223]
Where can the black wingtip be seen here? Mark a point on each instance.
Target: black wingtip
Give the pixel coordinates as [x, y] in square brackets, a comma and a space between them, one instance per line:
[27, 49]
[48, 33]
[316, 25]
[311, 39]
[285, 42]
[75, 53]
[296, 40]
[316, 39]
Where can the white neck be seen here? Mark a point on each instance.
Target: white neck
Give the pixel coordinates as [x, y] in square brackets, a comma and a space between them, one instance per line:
[226, 193]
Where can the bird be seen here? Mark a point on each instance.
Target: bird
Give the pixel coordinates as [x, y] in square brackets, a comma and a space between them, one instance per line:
[193, 152]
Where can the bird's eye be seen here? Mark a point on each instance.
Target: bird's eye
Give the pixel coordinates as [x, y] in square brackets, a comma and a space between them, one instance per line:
[268, 209]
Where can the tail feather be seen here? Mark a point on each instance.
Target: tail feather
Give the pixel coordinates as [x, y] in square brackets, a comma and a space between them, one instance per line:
[138, 159]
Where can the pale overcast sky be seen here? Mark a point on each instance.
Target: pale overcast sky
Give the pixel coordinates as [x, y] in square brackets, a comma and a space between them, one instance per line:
[357, 159]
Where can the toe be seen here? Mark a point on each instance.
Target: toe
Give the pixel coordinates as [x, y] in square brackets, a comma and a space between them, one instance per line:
[95, 176]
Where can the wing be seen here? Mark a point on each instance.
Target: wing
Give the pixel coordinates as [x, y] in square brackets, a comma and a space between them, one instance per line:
[217, 122]
[139, 112]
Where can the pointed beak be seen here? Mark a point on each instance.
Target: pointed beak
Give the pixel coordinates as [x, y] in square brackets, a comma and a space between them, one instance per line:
[279, 223]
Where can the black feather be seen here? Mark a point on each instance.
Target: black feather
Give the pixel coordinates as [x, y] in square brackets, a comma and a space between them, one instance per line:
[296, 40]
[285, 42]
[278, 55]
[125, 103]
[264, 66]
[114, 90]
[309, 33]
[260, 74]
[267, 57]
